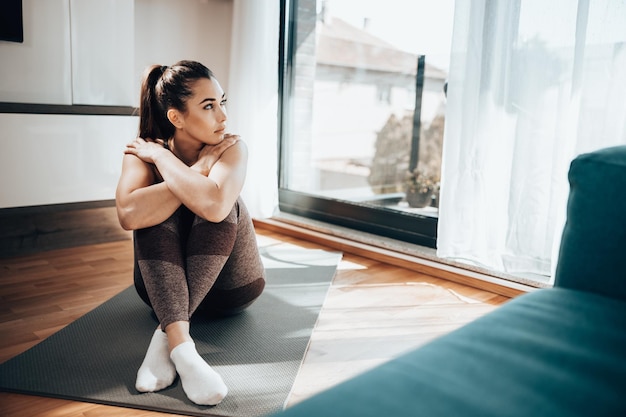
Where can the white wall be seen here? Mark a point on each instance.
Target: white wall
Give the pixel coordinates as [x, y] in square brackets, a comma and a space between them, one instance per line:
[39, 70]
[103, 46]
[52, 159]
[167, 31]
[91, 52]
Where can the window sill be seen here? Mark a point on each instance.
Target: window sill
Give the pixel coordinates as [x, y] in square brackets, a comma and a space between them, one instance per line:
[413, 257]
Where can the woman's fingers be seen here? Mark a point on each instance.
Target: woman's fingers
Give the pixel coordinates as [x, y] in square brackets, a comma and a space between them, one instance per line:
[135, 142]
[229, 140]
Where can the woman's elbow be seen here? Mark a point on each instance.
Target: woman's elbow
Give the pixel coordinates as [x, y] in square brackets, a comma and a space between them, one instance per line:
[214, 217]
[125, 219]
[126, 226]
[217, 212]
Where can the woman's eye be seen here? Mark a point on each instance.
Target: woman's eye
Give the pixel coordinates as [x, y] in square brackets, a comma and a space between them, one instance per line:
[211, 106]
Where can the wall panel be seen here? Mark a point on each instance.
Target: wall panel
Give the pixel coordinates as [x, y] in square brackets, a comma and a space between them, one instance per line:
[54, 159]
[103, 46]
[39, 69]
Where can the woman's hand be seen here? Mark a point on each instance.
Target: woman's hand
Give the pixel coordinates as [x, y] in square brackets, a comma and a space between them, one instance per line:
[210, 154]
[146, 149]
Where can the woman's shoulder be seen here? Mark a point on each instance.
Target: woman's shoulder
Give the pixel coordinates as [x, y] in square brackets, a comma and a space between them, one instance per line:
[134, 167]
[240, 148]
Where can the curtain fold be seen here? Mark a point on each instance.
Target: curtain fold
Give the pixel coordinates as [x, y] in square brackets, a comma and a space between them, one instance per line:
[253, 98]
[531, 85]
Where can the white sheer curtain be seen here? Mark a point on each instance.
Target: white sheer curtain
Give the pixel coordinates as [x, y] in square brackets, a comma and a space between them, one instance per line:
[531, 84]
[253, 98]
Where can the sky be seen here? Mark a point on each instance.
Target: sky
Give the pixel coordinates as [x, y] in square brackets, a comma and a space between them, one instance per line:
[425, 26]
[416, 26]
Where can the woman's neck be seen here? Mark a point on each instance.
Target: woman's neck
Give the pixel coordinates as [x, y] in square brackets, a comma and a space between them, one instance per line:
[186, 151]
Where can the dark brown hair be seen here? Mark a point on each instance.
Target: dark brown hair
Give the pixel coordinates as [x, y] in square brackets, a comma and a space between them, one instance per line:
[164, 88]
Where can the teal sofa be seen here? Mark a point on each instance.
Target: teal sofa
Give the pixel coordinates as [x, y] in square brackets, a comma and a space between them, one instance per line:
[557, 351]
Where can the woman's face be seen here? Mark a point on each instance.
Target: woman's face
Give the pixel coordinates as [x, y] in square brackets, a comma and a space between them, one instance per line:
[205, 118]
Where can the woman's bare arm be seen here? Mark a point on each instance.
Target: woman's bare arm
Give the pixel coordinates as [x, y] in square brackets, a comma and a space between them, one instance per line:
[210, 197]
[140, 202]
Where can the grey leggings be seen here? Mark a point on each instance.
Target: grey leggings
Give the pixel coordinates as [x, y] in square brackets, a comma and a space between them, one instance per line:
[187, 265]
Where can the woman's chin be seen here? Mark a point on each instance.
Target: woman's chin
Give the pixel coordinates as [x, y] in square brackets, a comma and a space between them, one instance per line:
[213, 139]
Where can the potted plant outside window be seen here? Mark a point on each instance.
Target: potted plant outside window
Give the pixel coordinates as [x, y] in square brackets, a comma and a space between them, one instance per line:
[421, 189]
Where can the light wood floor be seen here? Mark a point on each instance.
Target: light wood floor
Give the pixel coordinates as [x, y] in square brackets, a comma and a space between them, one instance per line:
[373, 312]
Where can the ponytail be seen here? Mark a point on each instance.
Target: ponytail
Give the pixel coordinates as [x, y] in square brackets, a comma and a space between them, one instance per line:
[152, 118]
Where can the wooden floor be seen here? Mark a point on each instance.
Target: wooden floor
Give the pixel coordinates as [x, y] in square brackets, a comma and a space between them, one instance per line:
[373, 312]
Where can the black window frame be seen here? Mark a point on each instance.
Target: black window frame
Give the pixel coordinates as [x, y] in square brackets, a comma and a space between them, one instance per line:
[371, 217]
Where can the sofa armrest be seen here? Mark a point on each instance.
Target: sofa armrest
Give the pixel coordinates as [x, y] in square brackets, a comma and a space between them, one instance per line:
[592, 255]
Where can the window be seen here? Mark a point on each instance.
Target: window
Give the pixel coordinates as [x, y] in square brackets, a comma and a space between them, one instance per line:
[362, 113]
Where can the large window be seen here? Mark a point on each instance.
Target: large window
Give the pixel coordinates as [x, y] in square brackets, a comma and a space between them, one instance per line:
[363, 110]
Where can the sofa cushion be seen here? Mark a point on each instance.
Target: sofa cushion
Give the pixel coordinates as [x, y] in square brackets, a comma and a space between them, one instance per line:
[553, 352]
[592, 256]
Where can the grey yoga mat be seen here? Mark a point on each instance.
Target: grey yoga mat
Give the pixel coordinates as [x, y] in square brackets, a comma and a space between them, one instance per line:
[258, 353]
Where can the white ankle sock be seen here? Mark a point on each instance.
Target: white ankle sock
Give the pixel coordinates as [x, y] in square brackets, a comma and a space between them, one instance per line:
[200, 382]
[157, 370]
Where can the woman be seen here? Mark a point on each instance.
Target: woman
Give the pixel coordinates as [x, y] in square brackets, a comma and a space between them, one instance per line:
[195, 247]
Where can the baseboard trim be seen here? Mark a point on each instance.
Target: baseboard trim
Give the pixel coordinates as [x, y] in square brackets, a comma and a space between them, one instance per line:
[55, 208]
[28, 230]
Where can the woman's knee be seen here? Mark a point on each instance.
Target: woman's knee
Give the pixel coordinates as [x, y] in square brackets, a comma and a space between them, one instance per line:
[222, 302]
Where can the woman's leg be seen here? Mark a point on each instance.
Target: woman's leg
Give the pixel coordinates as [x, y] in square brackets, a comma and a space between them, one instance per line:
[242, 279]
[160, 281]
[161, 263]
[160, 259]
[209, 246]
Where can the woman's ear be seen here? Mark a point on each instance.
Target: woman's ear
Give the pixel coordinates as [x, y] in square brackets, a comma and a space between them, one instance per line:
[175, 118]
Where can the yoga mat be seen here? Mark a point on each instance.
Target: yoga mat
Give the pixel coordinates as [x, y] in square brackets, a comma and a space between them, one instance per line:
[258, 353]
